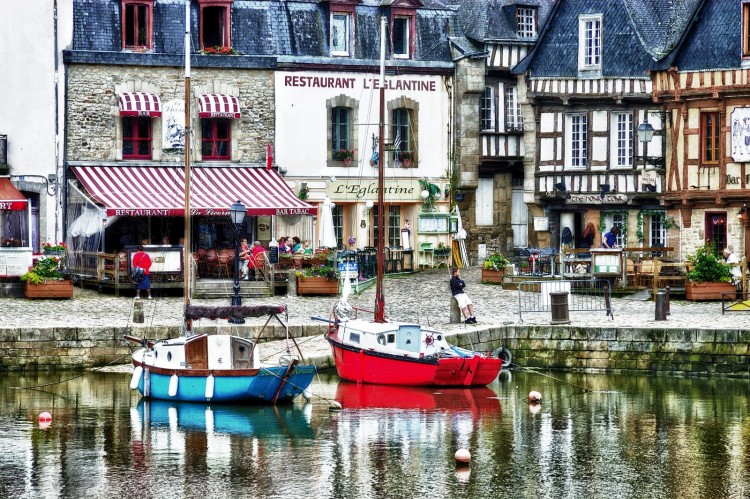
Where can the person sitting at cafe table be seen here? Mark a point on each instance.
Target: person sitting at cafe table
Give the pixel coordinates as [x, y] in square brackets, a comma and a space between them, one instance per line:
[297, 243]
[610, 238]
[244, 258]
[255, 261]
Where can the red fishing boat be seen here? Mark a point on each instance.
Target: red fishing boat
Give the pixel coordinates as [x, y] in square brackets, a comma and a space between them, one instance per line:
[399, 353]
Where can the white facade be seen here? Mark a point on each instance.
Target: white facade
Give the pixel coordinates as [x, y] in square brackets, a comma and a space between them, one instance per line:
[32, 38]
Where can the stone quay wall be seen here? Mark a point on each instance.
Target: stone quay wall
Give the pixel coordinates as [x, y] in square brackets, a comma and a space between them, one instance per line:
[626, 350]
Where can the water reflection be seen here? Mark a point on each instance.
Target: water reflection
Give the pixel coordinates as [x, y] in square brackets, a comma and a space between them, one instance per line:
[595, 436]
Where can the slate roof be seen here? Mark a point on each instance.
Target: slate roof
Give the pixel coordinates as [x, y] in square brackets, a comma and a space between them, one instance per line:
[713, 41]
[494, 20]
[635, 34]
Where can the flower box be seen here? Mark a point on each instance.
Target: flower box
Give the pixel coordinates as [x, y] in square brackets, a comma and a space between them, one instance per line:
[704, 291]
[49, 289]
[312, 285]
[495, 276]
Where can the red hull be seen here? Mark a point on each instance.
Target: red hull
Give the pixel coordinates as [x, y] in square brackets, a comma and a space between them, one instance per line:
[364, 366]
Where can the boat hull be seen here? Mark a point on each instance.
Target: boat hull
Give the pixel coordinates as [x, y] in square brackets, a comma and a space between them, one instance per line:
[365, 366]
[265, 385]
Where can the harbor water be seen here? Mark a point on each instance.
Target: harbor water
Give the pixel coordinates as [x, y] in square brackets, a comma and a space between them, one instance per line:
[592, 436]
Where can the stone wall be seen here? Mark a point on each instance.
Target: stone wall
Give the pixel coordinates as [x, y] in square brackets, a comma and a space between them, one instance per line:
[93, 112]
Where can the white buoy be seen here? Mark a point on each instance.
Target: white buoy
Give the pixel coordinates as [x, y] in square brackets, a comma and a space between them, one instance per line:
[535, 397]
[173, 381]
[210, 387]
[307, 394]
[463, 474]
[462, 457]
[534, 408]
[137, 373]
[334, 406]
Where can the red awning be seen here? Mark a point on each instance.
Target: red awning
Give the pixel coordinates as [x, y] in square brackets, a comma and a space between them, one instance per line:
[160, 191]
[10, 197]
[218, 106]
[139, 104]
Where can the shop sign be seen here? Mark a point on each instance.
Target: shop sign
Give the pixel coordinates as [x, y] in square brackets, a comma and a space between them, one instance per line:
[597, 199]
[359, 190]
[541, 224]
[14, 262]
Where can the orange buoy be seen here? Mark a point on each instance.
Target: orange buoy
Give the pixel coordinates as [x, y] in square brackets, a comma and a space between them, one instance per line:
[462, 457]
[535, 397]
[45, 419]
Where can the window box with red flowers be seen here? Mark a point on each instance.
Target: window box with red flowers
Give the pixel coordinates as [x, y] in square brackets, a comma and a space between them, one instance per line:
[218, 50]
[406, 157]
[345, 155]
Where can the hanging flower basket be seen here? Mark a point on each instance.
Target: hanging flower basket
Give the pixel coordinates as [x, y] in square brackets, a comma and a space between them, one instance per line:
[343, 155]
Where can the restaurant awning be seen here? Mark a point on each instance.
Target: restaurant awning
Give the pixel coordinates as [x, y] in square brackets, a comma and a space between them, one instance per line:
[218, 106]
[160, 190]
[139, 104]
[10, 197]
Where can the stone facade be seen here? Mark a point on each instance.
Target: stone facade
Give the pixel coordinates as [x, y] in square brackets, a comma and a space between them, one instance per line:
[93, 113]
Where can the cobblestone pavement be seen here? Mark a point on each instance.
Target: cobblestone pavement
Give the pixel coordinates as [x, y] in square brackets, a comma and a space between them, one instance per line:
[424, 297]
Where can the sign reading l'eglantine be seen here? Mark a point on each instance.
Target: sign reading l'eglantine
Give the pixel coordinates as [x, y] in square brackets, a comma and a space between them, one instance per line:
[363, 189]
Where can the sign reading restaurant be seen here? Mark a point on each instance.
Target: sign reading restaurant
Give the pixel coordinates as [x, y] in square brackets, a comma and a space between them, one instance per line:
[177, 211]
[366, 83]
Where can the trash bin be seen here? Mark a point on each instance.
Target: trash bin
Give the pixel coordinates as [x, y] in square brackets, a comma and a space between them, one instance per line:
[559, 307]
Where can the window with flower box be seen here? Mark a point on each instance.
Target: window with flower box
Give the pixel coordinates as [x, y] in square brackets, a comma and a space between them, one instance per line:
[340, 130]
[136, 137]
[401, 130]
[216, 139]
[215, 23]
[137, 24]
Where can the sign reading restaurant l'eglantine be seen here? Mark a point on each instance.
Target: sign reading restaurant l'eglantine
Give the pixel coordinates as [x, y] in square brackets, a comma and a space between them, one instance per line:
[363, 189]
[364, 82]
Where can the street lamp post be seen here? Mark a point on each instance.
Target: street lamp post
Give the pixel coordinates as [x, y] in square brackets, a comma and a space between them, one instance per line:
[237, 214]
[645, 134]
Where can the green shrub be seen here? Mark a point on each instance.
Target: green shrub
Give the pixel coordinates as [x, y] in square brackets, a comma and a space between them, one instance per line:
[707, 267]
[496, 261]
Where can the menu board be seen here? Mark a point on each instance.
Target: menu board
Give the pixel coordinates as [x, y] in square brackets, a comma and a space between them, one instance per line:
[14, 262]
[433, 223]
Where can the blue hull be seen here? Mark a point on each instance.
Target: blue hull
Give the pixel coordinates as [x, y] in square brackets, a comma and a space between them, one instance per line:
[260, 388]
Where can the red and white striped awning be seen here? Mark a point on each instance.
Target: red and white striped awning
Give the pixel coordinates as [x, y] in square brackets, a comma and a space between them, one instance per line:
[10, 197]
[139, 104]
[160, 190]
[218, 106]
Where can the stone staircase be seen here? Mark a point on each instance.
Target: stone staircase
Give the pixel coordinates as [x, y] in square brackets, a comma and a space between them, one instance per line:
[224, 288]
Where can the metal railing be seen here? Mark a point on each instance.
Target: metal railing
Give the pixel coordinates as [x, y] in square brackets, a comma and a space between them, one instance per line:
[583, 296]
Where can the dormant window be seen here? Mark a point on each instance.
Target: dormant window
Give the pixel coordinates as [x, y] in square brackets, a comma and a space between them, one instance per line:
[526, 22]
[136, 24]
[136, 137]
[710, 138]
[401, 37]
[577, 140]
[341, 23]
[590, 42]
[215, 25]
[488, 109]
[622, 139]
[216, 138]
[513, 119]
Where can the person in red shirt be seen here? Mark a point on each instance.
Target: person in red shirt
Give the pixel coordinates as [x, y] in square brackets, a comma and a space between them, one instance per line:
[255, 261]
[142, 260]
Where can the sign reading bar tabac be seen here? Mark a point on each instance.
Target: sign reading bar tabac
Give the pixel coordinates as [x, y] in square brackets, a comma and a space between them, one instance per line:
[362, 190]
[597, 199]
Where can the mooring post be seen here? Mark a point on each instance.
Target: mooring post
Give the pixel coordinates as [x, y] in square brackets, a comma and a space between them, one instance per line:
[455, 312]
[669, 312]
[660, 308]
[138, 312]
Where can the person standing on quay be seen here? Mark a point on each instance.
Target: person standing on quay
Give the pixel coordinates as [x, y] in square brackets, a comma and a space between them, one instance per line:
[142, 260]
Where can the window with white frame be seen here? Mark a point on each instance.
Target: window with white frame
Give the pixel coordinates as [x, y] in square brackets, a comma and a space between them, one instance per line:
[338, 224]
[513, 119]
[394, 226]
[622, 128]
[340, 129]
[657, 232]
[590, 42]
[526, 22]
[485, 201]
[488, 109]
[618, 219]
[577, 140]
[400, 37]
[341, 23]
[519, 214]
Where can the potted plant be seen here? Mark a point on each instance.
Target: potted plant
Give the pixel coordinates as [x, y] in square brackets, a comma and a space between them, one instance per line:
[318, 280]
[58, 249]
[442, 250]
[406, 157]
[218, 50]
[345, 155]
[708, 277]
[493, 269]
[47, 280]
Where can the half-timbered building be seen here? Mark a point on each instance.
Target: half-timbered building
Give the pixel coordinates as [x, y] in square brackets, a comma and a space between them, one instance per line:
[704, 85]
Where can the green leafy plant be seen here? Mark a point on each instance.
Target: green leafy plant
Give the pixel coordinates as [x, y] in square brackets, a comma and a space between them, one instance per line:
[319, 271]
[669, 222]
[46, 269]
[342, 154]
[707, 267]
[496, 261]
[218, 50]
[55, 247]
[404, 155]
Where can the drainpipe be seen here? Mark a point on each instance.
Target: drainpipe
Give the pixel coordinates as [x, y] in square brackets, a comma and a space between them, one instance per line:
[58, 205]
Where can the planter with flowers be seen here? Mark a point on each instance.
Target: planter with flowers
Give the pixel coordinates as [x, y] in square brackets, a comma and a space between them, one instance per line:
[46, 279]
[218, 50]
[60, 249]
[708, 277]
[344, 155]
[406, 157]
[318, 280]
[493, 269]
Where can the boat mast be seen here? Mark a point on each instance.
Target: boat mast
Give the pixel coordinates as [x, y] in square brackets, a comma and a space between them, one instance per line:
[186, 246]
[379, 296]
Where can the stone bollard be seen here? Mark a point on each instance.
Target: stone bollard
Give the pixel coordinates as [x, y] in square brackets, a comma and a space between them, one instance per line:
[291, 287]
[455, 312]
[559, 307]
[138, 312]
[669, 312]
[660, 309]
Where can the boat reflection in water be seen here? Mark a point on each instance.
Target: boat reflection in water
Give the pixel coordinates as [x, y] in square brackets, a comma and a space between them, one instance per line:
[477, 401]
[221, 419]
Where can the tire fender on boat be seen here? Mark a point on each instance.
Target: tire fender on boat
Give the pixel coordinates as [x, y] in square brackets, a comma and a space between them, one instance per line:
[137, 373]
[503, 354]
[173, 382]
[210, 387]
